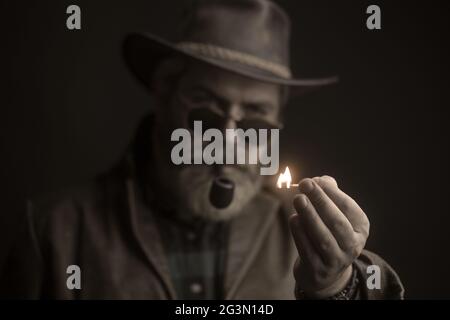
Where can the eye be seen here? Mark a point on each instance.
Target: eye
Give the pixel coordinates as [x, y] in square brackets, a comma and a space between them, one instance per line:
[209, 119]
[201, 97]
[254, 108]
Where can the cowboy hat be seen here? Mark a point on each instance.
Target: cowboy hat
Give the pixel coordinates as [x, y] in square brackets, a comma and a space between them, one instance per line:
[248, 37]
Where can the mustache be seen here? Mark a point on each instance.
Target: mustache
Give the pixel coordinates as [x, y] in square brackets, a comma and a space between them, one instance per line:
[218, 168]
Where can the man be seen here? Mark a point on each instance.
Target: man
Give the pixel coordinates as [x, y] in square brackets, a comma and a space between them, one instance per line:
[148, 228]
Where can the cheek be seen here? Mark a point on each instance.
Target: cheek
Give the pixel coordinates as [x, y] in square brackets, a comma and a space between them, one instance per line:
[275, 115]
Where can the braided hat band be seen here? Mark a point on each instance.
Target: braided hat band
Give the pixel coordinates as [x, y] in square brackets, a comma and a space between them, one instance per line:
[216, 52]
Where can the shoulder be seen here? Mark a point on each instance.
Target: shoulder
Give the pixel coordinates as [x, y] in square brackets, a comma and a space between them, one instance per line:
[60, 210]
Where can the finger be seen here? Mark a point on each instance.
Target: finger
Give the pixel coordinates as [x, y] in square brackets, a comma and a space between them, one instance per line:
[328, 179]
[348, 206]
[320, 236]
[330, 214]
[305, 249]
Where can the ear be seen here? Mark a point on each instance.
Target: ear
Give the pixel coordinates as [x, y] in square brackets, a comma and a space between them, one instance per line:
[165, 76]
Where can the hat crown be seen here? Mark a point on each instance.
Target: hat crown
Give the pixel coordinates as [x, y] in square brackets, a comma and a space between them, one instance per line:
[247, 37]
[258, 28]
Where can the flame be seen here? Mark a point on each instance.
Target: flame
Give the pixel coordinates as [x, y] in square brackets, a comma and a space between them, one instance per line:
[285, 178]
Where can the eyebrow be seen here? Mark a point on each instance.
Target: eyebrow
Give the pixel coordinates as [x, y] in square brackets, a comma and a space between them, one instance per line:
[211, 92]
[266, 106]
[261, 106]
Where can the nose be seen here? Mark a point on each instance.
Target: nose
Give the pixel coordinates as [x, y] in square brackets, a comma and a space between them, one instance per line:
[230, 124]
[235, 114]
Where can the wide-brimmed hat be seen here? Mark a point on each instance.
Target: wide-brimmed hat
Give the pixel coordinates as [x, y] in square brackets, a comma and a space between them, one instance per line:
[248, 37]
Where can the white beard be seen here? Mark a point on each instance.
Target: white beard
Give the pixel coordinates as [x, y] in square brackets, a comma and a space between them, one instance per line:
[194, 185]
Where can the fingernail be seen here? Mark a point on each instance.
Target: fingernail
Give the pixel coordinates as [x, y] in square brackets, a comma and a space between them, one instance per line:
[306, 186]
[319, 181]
[330, 179]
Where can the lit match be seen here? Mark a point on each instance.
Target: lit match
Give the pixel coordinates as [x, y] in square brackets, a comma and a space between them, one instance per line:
[285, 178]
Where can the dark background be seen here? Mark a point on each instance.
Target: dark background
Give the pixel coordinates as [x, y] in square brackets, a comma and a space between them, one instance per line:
[69, 108]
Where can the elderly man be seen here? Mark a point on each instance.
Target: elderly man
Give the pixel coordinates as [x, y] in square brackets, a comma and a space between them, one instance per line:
[149, 229]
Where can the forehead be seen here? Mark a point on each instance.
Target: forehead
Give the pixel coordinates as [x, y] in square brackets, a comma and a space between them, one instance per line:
[229, 85]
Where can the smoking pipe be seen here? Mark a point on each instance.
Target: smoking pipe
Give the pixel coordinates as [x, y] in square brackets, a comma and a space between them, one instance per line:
[221, 193]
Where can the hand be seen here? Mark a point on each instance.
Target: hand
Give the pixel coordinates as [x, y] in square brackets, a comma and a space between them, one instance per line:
[330, 231]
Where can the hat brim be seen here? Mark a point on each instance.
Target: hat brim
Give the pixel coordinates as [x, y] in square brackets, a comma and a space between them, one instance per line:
[142, 52]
